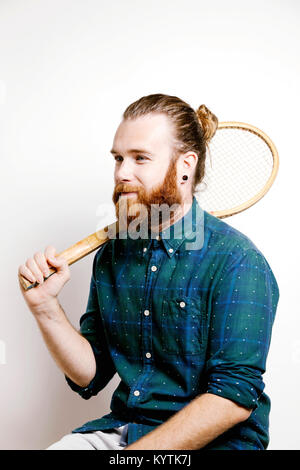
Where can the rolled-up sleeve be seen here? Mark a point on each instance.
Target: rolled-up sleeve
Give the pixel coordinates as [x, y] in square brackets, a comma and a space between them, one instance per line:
[243, 309]
[92, 329]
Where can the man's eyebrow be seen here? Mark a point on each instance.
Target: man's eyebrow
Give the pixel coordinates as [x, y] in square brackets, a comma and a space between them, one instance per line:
[132, 151]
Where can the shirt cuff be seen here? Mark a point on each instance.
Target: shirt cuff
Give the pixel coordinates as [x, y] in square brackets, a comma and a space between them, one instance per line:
[237, 390]
[84, 392]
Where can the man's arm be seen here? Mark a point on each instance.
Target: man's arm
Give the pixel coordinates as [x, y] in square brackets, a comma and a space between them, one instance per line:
[71, 351]
[200, 422]
[82, 355]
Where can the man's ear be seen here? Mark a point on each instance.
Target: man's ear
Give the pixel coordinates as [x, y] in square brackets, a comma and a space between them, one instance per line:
[188, 162]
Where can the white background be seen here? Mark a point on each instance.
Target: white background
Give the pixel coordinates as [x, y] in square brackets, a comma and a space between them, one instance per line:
[68, 69]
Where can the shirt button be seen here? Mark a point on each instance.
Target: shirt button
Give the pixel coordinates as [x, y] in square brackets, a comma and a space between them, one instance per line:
[144, 250]
[148, 354]
[171, 250]
[153, 268]
[136, 393]
[182, 304]
[146, 312]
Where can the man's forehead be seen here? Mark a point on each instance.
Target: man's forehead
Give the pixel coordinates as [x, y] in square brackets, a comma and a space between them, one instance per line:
[145, 132]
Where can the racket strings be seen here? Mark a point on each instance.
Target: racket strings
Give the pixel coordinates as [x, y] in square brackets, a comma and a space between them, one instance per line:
[238, 166]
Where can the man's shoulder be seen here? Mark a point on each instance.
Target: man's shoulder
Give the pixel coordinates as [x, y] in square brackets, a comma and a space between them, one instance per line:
[224, 236]
[237, 249]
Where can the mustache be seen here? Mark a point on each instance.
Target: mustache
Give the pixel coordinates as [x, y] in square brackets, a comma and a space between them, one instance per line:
[124, 188]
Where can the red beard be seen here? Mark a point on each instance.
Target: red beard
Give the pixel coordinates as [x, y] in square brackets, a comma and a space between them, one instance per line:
[129, 208]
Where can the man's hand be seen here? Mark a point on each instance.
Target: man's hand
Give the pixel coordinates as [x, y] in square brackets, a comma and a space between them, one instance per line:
[35, 270]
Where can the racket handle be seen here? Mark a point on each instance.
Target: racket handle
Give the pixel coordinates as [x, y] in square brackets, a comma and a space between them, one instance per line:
[77, 251]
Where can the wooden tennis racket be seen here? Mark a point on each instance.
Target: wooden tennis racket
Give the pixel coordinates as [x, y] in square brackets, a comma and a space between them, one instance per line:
[241, 166]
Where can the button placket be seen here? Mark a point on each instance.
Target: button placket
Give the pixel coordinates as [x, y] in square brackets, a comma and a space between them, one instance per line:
[155, 256]
[153, 268]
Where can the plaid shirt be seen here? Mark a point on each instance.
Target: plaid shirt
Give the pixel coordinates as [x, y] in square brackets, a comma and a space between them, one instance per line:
[178, 317]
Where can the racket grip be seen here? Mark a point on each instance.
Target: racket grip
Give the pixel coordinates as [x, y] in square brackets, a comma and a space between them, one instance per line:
[77, 251]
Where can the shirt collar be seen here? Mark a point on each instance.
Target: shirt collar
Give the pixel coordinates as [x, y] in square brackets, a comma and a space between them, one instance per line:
[172, 238]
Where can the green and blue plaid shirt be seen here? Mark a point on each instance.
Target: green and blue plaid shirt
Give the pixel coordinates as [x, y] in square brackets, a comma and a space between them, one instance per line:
[178, 317]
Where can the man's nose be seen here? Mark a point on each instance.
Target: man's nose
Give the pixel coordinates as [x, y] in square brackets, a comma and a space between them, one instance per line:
[124, 172]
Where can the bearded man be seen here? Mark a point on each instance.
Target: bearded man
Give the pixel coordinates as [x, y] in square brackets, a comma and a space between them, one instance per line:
[185, 324]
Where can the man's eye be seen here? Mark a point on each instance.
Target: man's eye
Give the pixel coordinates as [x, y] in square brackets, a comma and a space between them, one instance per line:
[118, 158]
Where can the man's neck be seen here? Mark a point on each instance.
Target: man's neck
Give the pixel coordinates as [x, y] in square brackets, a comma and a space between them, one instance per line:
[180, 212]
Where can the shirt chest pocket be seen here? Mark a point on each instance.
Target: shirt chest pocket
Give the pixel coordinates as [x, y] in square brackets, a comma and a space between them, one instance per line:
[182, 325]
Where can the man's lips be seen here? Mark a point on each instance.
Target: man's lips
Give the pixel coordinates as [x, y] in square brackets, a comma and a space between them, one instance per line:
[129, 193]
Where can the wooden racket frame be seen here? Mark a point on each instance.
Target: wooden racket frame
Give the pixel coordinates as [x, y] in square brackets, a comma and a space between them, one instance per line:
[248, 127]
[95, 240]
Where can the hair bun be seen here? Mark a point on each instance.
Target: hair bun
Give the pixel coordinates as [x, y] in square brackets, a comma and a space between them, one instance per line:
[208, 121]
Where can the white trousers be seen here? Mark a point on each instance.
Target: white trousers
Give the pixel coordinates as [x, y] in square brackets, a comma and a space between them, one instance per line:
[112, 439]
